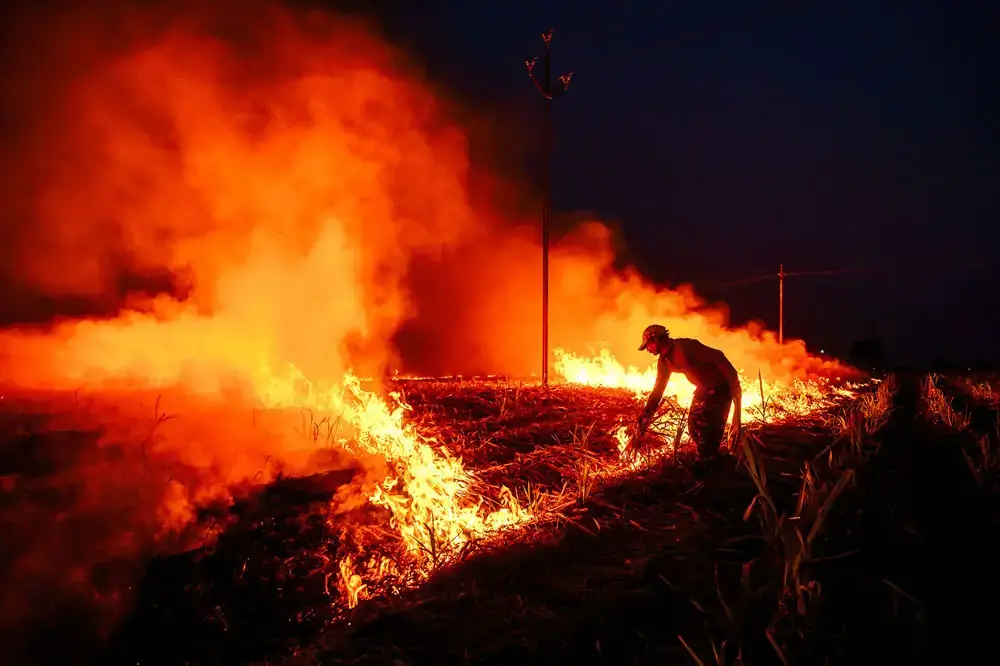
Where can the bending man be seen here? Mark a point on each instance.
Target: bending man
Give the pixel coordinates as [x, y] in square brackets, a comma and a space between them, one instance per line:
[716, 382]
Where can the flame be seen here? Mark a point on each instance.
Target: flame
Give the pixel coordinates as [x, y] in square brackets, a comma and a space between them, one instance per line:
[283, 172]
[429, 495]
[298, 186]
[595, 307]
[783, 399]
[353, 588]
[774, 401]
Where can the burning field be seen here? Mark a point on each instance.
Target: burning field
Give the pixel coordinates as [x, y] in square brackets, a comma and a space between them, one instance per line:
[238, 240]
[372, 498]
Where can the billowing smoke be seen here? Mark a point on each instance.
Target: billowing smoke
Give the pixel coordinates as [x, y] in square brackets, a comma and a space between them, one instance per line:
[227, 194]
[301, 198]
[283, 174]
[492, 323]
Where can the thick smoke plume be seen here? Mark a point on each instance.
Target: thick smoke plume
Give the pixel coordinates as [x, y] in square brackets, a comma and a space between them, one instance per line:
[492, 322]
[227, 194]
[282, 174]
[233, 193]
[303, 198]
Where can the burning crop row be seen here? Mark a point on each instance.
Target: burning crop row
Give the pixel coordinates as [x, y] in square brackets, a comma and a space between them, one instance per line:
[432, 496]
[785, 398]
[428, 493]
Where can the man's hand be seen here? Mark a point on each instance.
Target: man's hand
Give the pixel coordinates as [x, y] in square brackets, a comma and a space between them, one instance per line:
[642, 424]
[634, 445]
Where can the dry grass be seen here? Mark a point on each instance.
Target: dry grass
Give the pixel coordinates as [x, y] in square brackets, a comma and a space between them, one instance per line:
[939, 406]
[791, 536]
[984, 458]
[976, 422]
[980, 390]
[651, 565]
[855, 425]
[577, 445]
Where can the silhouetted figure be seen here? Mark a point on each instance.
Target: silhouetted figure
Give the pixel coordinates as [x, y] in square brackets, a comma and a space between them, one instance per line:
[716, 381]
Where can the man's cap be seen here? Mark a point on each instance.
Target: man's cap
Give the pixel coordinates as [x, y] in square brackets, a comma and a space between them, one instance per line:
[652, 332]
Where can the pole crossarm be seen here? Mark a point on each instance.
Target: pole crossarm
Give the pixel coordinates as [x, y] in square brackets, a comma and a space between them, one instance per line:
[544, 88]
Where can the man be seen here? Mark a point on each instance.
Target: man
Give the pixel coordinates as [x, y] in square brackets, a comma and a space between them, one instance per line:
[716, 382]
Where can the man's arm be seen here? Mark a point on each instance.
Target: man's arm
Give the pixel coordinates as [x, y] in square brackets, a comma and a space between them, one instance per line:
[652, 402]
[656, 395]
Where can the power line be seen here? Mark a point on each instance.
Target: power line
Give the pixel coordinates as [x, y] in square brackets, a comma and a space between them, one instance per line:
[782, 274]
[771, 276]
[931, 268]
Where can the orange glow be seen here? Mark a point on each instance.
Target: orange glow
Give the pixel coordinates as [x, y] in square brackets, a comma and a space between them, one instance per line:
[771, 401]
[785, 398]
[352, 586]
[291, 179]
[593, 308]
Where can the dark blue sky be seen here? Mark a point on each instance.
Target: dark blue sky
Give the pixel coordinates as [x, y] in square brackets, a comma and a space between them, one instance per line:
[724, 137]
[729, 137]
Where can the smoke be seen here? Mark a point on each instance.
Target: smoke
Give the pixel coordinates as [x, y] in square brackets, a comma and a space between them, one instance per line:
[493, 321]
[255, 189]
[210, 197]
[281, 176]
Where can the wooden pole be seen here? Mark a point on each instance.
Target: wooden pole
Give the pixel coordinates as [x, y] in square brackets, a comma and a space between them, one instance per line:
[546, 185]
[548, 93]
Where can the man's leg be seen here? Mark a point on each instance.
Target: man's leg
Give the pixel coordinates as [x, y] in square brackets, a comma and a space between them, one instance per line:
[707, 421]
[697, 421]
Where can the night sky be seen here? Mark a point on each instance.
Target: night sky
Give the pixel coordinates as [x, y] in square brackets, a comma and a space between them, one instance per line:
[725, 138]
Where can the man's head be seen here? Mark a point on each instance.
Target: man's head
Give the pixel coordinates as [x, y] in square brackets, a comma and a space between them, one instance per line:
[654, 339]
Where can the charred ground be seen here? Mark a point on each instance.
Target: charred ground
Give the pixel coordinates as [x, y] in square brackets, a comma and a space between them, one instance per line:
[880, 549]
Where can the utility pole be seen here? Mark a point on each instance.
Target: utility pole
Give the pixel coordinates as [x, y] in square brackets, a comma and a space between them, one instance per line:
[781, 286]
[781, 304]
[547, 92]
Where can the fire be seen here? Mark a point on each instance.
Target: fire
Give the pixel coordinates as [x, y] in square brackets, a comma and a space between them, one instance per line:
[353, 588]
[429, 495]
[774, 400]
[781, 399]
[300, 189]
[283, 176]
